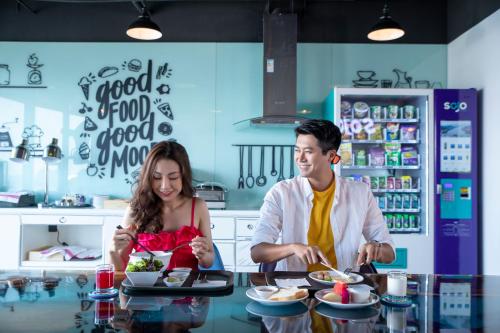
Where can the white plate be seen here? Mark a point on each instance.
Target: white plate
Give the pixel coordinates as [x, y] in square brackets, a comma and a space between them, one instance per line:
[253, 295]
[356, 278]
[320, 293]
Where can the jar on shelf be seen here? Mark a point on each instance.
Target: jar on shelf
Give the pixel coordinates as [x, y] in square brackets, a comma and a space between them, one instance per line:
[4, 75]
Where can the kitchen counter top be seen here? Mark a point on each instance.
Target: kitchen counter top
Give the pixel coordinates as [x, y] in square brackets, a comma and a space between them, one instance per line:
[453, 303]
[108, 212]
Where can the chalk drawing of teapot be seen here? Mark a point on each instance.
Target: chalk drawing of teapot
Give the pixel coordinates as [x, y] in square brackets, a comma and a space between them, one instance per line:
[404, 81]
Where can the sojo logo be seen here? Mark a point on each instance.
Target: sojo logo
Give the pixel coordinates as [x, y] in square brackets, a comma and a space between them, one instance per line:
[455, 106]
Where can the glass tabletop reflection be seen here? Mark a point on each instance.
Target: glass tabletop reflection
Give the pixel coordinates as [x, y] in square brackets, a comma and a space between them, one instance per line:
[39, 301]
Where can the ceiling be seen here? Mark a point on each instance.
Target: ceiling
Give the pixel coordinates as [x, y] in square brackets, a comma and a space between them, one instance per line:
[320, 21]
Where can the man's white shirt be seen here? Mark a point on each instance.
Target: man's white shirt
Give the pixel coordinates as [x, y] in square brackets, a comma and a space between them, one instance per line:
[287, 209]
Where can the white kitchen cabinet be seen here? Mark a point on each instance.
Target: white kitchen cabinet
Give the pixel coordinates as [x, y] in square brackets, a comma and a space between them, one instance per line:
[26, 229]
[245, 228]
[9, 241]
[74, 230]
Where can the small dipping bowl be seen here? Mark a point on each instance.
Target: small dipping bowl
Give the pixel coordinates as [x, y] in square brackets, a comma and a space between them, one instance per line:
[265, 291]
[172, 281]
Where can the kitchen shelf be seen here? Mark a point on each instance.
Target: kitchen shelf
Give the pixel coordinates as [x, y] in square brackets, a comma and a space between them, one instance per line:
[72, 264]
[404, 231]
[381, 141]
[397, 191]
[383, 167]
[401, 210]
[29, 87]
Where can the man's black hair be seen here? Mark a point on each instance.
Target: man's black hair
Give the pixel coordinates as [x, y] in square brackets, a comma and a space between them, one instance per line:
[327, 134]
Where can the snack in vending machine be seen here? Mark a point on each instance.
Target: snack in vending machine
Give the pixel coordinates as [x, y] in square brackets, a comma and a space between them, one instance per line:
[361, 157]
[415, 183]
[406, 182]
[382, 182]
[390, 200]
[390, 221]
[409, 155]
[392, 131]
[381, 202]
[377, 156]
[408, 132]
[397, 183]
[406, 221]
[346, 153]
[374, 183]
[398, 221]
[392, 112]
[390, 182]
[415, 201]
[398, 202]
[377, 132]
[377, 112]
[406, 201]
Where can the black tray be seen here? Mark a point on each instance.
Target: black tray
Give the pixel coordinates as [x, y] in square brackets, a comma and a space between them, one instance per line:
[186, 289]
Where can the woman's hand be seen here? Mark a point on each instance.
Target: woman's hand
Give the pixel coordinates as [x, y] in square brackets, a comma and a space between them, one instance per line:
[121, 240]
[200, 247]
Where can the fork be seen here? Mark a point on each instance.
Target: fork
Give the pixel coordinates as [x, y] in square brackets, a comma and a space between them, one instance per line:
[342, 274]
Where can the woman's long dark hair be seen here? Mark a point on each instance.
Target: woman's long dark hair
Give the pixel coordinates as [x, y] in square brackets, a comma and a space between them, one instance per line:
[146, 206]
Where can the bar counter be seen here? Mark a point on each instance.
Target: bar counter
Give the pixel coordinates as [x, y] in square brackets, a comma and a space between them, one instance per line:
[48, 301]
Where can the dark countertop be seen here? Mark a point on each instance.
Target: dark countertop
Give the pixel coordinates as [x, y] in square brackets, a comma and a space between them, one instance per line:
[59, 302]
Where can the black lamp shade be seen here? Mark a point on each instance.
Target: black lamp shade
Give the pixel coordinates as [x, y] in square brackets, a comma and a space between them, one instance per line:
[21, 153]
[52, 153]
[386, 28]
[143, 28]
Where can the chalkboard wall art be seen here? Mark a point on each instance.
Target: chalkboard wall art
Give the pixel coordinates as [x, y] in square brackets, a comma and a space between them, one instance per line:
[130, 103]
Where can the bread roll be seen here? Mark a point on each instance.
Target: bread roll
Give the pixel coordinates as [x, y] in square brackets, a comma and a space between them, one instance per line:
[289, 294]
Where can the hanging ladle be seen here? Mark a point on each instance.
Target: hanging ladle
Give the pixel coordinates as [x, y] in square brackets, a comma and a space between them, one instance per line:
[250, 180]
[241, 180]
[261, 179]
[273, 169]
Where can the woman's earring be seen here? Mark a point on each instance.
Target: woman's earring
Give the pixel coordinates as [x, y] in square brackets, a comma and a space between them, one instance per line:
[336, 159]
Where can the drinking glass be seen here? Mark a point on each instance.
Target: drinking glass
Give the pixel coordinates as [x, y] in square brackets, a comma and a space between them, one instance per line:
[396, 320]
[396, 286]
[104, 311]
[104, 277]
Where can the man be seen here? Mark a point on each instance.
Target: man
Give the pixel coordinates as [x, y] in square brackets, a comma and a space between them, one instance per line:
[320, 216]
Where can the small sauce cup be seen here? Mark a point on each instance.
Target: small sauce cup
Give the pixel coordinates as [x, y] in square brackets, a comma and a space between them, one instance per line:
[265, 291]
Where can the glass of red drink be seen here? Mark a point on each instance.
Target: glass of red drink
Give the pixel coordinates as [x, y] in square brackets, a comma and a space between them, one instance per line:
[104, 311]
[104, 277]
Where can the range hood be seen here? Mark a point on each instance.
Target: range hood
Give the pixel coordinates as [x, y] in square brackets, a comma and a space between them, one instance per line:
[280, 71]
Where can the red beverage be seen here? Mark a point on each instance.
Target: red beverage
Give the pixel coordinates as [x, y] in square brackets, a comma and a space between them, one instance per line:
[104, 311]
[104, 276]
[104, 279]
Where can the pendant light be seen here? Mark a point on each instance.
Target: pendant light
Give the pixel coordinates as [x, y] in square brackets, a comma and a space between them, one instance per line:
[386, 28]
[143, 28]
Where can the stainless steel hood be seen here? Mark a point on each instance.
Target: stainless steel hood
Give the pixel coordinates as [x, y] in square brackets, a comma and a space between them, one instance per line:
[280, 71]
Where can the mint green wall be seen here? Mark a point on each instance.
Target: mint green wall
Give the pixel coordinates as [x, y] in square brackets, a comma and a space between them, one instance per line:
[213, 86]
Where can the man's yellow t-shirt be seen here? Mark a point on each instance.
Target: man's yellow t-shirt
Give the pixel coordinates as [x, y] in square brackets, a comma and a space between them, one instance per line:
[320, 230]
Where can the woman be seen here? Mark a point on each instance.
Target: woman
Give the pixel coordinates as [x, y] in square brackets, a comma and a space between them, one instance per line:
[163, 212]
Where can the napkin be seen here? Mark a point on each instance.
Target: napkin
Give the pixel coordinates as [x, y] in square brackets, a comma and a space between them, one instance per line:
[209, 283]
[286, 283]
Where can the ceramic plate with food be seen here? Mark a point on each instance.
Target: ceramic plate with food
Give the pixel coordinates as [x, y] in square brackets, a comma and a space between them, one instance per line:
[283, 296]
[330, 277]
[323, 296]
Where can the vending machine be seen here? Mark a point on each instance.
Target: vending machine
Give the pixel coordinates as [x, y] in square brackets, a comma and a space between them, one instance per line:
[388, 143]
[456, 223]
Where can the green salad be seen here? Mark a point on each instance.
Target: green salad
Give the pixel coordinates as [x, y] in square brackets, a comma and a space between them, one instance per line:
[145, 265]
